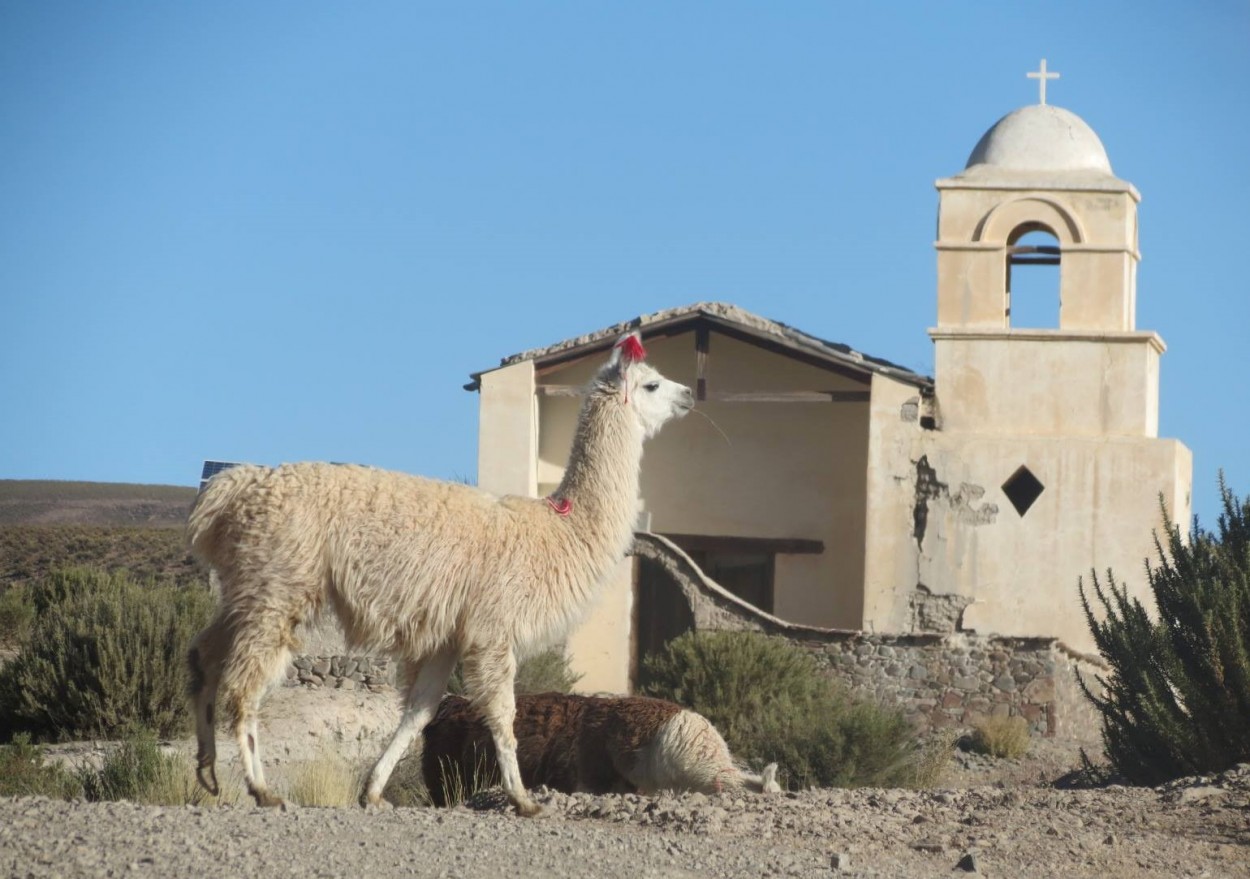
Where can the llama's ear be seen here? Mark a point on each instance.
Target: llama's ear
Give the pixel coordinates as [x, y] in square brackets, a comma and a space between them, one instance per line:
[627, 351]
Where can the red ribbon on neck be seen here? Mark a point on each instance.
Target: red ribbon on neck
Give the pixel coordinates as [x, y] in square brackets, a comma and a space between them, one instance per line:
[563, 506]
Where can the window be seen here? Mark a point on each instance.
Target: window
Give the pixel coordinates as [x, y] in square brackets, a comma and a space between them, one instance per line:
[1022, 489]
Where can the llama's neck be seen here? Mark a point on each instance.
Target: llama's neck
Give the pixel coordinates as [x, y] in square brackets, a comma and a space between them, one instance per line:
[602, 476]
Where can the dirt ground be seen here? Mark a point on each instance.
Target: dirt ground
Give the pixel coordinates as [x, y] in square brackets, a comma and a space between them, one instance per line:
[988, 817]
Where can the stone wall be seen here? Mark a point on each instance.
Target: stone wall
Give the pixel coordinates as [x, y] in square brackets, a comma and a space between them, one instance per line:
[941, 679]
[341, 672]
[956, 680]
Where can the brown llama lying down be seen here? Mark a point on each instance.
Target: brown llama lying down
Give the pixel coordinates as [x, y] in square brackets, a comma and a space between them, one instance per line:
[587, 744]
[428, 572]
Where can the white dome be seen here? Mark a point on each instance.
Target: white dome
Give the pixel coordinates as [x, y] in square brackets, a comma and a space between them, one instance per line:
[1041, 137]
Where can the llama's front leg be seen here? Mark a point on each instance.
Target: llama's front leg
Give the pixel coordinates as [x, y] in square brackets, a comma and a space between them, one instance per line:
[424, 693]
[490, 677]
[245, 733]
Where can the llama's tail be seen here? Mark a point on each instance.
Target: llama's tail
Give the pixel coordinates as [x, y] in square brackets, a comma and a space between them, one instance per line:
[763, 783]
[208, 513]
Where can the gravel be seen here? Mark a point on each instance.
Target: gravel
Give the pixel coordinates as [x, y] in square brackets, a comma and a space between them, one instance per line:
[1195, 827]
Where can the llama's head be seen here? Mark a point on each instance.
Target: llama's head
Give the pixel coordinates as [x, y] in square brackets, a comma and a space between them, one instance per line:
[652, 397]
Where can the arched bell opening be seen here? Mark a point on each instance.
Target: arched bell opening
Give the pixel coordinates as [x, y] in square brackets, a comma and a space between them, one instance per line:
[1032, 297]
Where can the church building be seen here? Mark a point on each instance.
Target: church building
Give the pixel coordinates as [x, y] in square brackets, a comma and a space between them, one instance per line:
[831, 490]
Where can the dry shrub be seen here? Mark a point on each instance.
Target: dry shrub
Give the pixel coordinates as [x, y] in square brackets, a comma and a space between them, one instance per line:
[327, 780]
[1006, 737]
[457, 789]
[931, 760]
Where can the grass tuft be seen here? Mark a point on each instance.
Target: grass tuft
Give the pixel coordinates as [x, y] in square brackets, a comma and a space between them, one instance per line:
[1005, 737]
[327, 780]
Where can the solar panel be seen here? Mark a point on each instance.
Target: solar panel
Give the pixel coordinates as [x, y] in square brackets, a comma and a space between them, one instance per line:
[212, 468]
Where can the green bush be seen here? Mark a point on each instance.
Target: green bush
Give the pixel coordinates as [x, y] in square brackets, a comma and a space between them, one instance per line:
[546, 672]
[127, 773]
[17, 615]
[105, 655]
[23, 773]
[1177, 700]
[771, 702]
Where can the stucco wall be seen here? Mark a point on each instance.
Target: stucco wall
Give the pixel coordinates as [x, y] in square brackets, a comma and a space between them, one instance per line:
[956, 537]
[508, 431]
[599, 649]
[1049, 382]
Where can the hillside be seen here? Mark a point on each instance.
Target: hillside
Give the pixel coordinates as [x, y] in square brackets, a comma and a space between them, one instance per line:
[48, 502]
[139, 528]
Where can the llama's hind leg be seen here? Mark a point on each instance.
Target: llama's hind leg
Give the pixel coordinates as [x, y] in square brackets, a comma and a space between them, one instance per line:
[490, 676]
[257, 658]
[426, 684]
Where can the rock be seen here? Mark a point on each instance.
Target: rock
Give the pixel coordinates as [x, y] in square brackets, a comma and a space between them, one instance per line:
[321, 668]
[1198, 794]
[840, 861]
[968, 863]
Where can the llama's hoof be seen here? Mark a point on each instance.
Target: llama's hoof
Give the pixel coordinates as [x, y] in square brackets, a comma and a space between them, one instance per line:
[206, 775]
[267, 800]
[530, 809]
[376, 805]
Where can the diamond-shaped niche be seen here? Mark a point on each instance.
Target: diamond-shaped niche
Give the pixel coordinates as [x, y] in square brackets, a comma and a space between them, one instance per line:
[1022, 489]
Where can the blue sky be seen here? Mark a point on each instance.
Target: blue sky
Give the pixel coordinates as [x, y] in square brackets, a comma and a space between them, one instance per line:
[287, 231]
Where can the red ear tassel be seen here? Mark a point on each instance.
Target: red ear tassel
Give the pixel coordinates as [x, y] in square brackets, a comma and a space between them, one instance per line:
[631, 348]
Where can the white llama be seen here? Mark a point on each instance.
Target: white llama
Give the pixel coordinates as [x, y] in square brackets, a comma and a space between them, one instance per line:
[429, 572]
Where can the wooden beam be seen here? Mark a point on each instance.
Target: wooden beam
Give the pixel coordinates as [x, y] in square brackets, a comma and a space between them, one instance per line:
[732, 397]
[702, 340]
[790, 397]
[726, 543]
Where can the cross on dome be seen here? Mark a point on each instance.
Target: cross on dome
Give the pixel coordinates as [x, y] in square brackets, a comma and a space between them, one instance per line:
[1042, 75]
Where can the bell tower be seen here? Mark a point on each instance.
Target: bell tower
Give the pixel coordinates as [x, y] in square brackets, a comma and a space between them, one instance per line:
[1042, 169]
[1043, 461]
